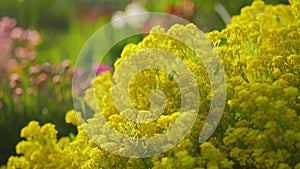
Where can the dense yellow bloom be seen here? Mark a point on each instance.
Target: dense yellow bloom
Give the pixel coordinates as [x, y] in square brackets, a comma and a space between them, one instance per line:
[211, 157]
[260, 51]
[146, 81]
[41, 149]
[295, 5]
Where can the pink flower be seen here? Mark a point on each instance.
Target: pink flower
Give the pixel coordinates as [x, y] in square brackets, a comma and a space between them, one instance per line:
[7, 23]
[5, 46]
[33, 37]
[101, 68]
[21, 52]
[16, 33]
[19, 91]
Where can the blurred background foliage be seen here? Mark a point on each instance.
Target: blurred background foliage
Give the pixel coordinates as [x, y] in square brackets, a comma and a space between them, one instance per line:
[61, 14]
[64, 27]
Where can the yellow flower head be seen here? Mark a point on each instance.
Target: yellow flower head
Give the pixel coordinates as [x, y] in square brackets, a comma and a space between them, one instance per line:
[72, 117]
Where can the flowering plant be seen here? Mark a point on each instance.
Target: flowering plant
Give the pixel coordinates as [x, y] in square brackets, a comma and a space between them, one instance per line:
[29, 89]
[260, 51]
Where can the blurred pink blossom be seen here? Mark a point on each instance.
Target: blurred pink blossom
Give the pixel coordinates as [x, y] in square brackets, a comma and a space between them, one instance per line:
[21, 52]
[33, 37]
[5, 46]
[34, 69]
[7, 23]
[15, 77]
[16, 33]
[11, 49]
[19, 91]
[57, 79]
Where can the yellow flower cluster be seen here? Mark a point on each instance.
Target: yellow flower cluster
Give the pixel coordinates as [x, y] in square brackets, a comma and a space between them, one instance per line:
[83, 152]
[260, 52]
[41, 149]
[150, 79]
[99, 97]
[295, 5]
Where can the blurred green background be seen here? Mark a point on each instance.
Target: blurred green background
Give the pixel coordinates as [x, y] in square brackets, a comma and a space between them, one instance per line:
[64, 27]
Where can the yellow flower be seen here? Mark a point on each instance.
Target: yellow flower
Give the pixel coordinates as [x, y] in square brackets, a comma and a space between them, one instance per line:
[31, 131]
[72, 117]
[17, 162]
